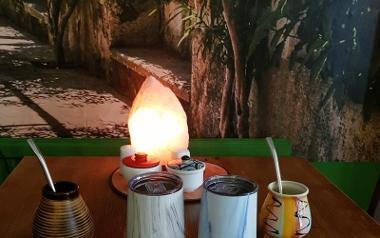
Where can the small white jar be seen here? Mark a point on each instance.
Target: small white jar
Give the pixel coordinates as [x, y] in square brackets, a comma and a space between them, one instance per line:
[138, 164]
[190, 171]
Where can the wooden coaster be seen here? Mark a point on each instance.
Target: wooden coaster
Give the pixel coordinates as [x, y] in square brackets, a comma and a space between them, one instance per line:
[120, 186]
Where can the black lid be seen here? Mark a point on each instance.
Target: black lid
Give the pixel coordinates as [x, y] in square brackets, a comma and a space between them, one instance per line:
[186, 165]
[64, 190]
[230, 185]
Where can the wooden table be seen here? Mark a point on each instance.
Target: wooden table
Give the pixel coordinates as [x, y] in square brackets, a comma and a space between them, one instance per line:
[334, 214]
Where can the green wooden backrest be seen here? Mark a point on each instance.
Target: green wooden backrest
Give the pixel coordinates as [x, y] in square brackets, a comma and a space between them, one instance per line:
[237, 147]
[356, 179]
[12, 149]
[6, 166]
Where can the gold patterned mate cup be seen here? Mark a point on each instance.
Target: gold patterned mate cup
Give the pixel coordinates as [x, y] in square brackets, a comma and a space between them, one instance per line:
[62, 213]
[286, 215]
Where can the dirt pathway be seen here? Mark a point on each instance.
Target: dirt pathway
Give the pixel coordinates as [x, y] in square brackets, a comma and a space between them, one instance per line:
[36, 102]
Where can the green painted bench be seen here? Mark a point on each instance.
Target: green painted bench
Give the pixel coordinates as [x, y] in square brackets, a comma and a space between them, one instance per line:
[10, 147]
[357, 179]
[13, 149]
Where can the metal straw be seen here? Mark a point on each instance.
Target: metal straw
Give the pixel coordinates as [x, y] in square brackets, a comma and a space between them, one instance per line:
[44, 167]
[276, 164]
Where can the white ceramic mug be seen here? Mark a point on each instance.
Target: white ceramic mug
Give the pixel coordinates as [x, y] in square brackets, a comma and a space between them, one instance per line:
[192, 179]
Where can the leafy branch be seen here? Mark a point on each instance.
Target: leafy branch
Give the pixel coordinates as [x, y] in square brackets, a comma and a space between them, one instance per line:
[247, 36]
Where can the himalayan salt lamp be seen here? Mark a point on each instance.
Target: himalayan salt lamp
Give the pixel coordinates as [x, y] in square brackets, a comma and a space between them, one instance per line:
[157, 122]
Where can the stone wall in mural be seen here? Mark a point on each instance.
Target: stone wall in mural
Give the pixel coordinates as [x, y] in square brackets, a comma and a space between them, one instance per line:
[98, 26]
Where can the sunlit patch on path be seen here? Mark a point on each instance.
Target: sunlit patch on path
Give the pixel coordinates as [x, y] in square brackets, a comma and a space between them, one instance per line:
[37, 102]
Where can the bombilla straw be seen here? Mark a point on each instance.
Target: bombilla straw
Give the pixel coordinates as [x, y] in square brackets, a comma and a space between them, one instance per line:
[276, 164]
[44, 167]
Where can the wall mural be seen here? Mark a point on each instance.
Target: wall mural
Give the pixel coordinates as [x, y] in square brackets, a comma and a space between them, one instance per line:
[304, 70]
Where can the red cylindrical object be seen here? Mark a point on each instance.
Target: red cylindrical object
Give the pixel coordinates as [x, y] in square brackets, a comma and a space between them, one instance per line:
[140, 160]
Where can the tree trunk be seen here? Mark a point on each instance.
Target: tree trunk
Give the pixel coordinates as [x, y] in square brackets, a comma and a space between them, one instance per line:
[241, 95]
[59, 50]
[227, 103]
[57, 25]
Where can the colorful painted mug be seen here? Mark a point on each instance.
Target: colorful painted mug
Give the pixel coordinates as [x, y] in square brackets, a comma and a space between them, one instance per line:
[286, 215]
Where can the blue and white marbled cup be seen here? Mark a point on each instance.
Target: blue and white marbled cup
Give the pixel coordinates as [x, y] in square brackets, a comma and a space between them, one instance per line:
[228, 208]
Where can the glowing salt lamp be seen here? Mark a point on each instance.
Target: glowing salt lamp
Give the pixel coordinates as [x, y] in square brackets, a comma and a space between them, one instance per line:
[157, 122]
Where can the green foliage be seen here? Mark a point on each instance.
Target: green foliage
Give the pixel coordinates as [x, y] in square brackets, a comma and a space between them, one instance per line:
[263, 29]
[313, 35]
[209, 20]
[266, 22]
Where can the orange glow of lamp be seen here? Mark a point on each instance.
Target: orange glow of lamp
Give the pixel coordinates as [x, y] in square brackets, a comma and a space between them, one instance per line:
[159, 133]
[157, 122]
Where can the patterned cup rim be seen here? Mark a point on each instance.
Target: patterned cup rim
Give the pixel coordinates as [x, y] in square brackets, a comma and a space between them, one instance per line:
[299, 189]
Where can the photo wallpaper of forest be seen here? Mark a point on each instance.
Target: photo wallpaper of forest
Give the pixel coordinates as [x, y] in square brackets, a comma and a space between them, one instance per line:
[304, 70]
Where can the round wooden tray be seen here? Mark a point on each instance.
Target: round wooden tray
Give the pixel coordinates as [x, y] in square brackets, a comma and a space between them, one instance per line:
[120, 186]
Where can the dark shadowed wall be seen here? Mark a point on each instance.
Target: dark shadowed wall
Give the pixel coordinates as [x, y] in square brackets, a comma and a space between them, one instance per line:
[325, 119]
